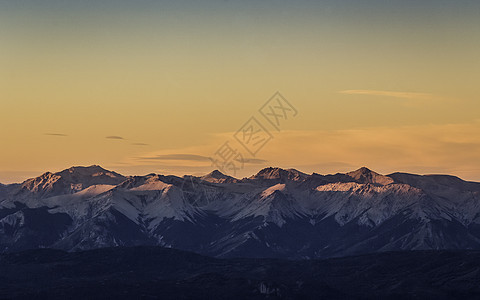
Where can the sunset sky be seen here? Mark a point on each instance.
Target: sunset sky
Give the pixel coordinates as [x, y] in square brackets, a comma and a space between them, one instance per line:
[159, 86]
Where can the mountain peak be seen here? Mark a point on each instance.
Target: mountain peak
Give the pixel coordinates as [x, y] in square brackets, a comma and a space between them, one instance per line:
[218, 177]
[364, 170]
[279, 173]
[85, 170]
[217, 174]
[71, 180]
[91, 175]
[365, 175]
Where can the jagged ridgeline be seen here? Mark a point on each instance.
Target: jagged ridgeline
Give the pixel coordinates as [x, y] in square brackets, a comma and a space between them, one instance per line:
[275, 213]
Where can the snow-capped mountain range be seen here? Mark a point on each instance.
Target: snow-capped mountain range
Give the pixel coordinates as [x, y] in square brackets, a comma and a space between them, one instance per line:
[275, 213]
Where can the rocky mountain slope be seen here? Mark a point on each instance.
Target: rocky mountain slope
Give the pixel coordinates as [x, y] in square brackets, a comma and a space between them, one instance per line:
[275, 213]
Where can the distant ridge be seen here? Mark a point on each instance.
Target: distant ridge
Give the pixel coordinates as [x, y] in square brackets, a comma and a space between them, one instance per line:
[362, 175]
[278, 213]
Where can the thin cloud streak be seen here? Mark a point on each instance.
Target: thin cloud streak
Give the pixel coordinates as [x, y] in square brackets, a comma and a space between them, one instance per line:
[56, 134]
[194, 157]
[254, 161]
[392, 94]
[114, 137]
[187, 157]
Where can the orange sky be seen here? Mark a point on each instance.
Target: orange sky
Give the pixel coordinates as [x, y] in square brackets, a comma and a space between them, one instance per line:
[390, 86]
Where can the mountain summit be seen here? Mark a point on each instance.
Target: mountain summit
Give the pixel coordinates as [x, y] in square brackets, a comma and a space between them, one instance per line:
[218, 177]
[278, 173]
[365, 175]
[91, 175]
[70, 181]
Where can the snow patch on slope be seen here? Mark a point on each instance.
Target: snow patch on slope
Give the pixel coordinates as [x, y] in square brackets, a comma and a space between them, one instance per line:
[274, 204]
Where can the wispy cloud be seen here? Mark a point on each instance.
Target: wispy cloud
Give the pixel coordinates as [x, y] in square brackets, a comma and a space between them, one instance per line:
[114, 137]
[393, 94]
[55, 134]
[254, 161]
[195, 157]
[187, 157]
[140, 144]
